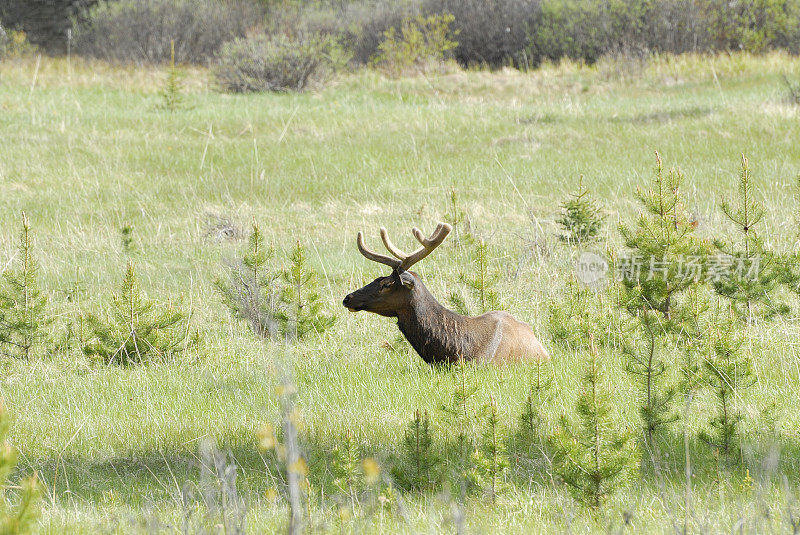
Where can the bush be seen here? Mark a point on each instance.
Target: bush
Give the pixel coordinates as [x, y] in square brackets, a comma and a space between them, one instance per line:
[363, 25]
[15, 44]
[421, 42]
[490, 32]
[274, 63]
[140, 31]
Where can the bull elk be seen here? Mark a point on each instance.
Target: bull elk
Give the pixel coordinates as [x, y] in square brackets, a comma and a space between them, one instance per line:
[439, 335]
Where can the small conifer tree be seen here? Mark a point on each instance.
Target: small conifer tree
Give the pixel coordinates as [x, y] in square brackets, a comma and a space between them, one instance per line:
[417, 468]
[479, 282]
[23, 306]
[19, 519]
[663, 246]
[531, 428]
[460, 416]
[347, 466]
[727, 371]
[644, 362]
[250, 289]
[580, 220]
[171, 94]
[666, 260]
[127, 238]
[301, 306]
[490, 459]
[457, 217]
[751, 273]
[136, 329]
[693, 339]
[592, 458]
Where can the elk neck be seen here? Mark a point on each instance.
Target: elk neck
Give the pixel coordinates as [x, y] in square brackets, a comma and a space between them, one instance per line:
[438, 334]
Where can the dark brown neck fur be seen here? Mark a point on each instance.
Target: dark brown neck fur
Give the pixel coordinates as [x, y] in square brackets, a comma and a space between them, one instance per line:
[439, 335]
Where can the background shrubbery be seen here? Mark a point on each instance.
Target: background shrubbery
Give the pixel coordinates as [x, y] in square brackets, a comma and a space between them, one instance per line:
[275, 63]
[490, 33]
[141, 30]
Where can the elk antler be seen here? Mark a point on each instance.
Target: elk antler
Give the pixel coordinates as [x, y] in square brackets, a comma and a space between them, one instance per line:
[372, 255]
[403, 260]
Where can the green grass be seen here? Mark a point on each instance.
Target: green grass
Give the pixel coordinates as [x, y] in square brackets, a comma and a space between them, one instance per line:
[85, 149]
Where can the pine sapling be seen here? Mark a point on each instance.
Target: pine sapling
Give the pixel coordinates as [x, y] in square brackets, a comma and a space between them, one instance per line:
[250, 289]
[127, 238]
[456, 216]
[644, 362]
[748, 273]
[531, 428]
[136, 329]
[592, 458]
[418, 466]
[693, 339]
[301, 306]
[21, 518]
[490, 459]
[580, 220]
[728, 371]
[172, 93]
[23, 306]
[347, 467]
[665, 255]
[479, 283]
[460, 416]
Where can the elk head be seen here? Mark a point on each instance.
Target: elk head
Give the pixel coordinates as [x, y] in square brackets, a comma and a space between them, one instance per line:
[390, 295]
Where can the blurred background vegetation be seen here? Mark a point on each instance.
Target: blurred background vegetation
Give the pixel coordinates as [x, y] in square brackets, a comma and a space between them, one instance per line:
[487, 33]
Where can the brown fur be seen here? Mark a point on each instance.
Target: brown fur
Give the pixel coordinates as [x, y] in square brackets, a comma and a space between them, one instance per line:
[440, 335]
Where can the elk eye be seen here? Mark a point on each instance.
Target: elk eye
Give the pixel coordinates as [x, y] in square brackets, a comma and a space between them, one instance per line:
[386, 283]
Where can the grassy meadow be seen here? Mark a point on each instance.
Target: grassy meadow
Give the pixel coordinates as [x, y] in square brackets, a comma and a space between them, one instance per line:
[86, 149]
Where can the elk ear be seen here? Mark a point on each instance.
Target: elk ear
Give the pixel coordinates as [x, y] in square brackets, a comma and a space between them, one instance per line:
[407, 279]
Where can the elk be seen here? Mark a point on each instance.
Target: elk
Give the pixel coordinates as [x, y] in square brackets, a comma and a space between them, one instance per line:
[438, 334]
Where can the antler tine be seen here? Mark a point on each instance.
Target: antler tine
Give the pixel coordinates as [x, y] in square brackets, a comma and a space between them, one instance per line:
[400, 255]
[375, 257]
[438, 235]
[428, 244]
